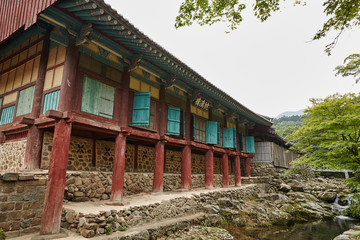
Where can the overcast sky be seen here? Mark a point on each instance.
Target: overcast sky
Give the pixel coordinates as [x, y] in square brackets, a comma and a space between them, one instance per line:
[269, 67]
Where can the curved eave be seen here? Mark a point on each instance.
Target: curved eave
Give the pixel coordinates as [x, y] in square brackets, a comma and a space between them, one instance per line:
[111, 23]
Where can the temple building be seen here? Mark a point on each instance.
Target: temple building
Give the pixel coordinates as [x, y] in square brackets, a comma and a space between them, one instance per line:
[82, 89]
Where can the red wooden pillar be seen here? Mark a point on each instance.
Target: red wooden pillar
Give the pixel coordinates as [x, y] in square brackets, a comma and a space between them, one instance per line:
[237, 171]
[121, 110]
[186, 153]
[159, 167]
[161, 112]
[121, 116]
[209, 169]
[34, 137]
[68, 81]
[50, 221]
[2, 137]
[225, 168]
[51, 217]
[186, 167]
[247, 167]
[117, 187]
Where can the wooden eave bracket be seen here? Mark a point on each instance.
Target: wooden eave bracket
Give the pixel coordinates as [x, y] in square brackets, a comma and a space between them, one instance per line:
[126, 131]
[27, 121]
[53, 114]
[164, 139]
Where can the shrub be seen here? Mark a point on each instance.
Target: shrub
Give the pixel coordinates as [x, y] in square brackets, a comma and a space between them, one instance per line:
[353, 211]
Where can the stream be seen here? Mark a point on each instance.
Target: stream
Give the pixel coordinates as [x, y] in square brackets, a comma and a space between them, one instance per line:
[321, 230]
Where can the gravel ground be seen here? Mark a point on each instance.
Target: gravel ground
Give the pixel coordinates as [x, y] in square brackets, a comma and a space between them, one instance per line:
[200, 232]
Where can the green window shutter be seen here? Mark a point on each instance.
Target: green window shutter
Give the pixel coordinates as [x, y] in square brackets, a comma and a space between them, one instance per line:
[234, 138]
[173, 121]
[106, 101]
[228, 137]
[7, 115]
[51, 101]
[90, 96]
[141, 109]
[218, 133]
[98, 98]
[241, 141]
[25, 101]
[212, 132]
[250, 144]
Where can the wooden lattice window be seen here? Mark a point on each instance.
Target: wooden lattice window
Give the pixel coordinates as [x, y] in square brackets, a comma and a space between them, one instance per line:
[98, 98]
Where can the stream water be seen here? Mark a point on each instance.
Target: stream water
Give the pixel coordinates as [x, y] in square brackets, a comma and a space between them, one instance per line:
[322, 230]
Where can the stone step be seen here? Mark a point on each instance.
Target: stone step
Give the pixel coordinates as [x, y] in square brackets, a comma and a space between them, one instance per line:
[154, 229]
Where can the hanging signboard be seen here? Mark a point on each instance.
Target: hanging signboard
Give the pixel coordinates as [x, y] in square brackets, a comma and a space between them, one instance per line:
[201, 103]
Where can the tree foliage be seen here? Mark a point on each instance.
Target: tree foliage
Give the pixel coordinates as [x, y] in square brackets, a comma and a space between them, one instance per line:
[330, 134]
[351, 67]
[287, 125]
[342, 15]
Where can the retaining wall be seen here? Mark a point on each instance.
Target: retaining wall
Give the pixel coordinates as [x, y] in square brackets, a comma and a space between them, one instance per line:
[21, 203]
[93, 224]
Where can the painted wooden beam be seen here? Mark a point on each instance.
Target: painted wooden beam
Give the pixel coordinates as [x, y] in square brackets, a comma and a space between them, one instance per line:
[70, 4]
[89, 6]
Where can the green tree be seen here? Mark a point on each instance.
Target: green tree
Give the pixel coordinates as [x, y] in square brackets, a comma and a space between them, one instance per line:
[342, 15]
[286, 129]
[330, 134]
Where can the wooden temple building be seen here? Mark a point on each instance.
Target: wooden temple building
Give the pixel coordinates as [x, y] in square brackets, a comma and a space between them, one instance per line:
[83, 89]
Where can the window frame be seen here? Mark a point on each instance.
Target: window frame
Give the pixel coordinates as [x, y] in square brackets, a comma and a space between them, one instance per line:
[196, 118]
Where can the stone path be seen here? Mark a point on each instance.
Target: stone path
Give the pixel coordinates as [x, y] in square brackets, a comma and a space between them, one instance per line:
[132, 201]
[140, 199]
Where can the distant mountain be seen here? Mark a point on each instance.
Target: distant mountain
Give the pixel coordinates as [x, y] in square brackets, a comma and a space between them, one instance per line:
[290, 113]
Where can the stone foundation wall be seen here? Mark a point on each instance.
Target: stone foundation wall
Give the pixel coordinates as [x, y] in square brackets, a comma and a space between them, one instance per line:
[173, 161]
[197, 164]
[81, 154]
[12, 156]
[83, 157]
[21, 203]
[87, 154]
[262, 169]
[90, 225]
[217, 165]
[84, 186]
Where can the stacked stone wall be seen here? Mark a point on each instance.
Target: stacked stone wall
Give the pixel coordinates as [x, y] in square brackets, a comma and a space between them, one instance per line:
[217, 165]
[81, 154]
[262, 169]
[105, 152]
[85, 186]
[21, 203]
[83, 157]
[145, 159]
[95, 223]
[12, 156]
[197, 164]
[173, 161]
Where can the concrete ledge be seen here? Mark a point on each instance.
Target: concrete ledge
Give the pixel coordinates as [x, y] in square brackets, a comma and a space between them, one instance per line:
[61, 234]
